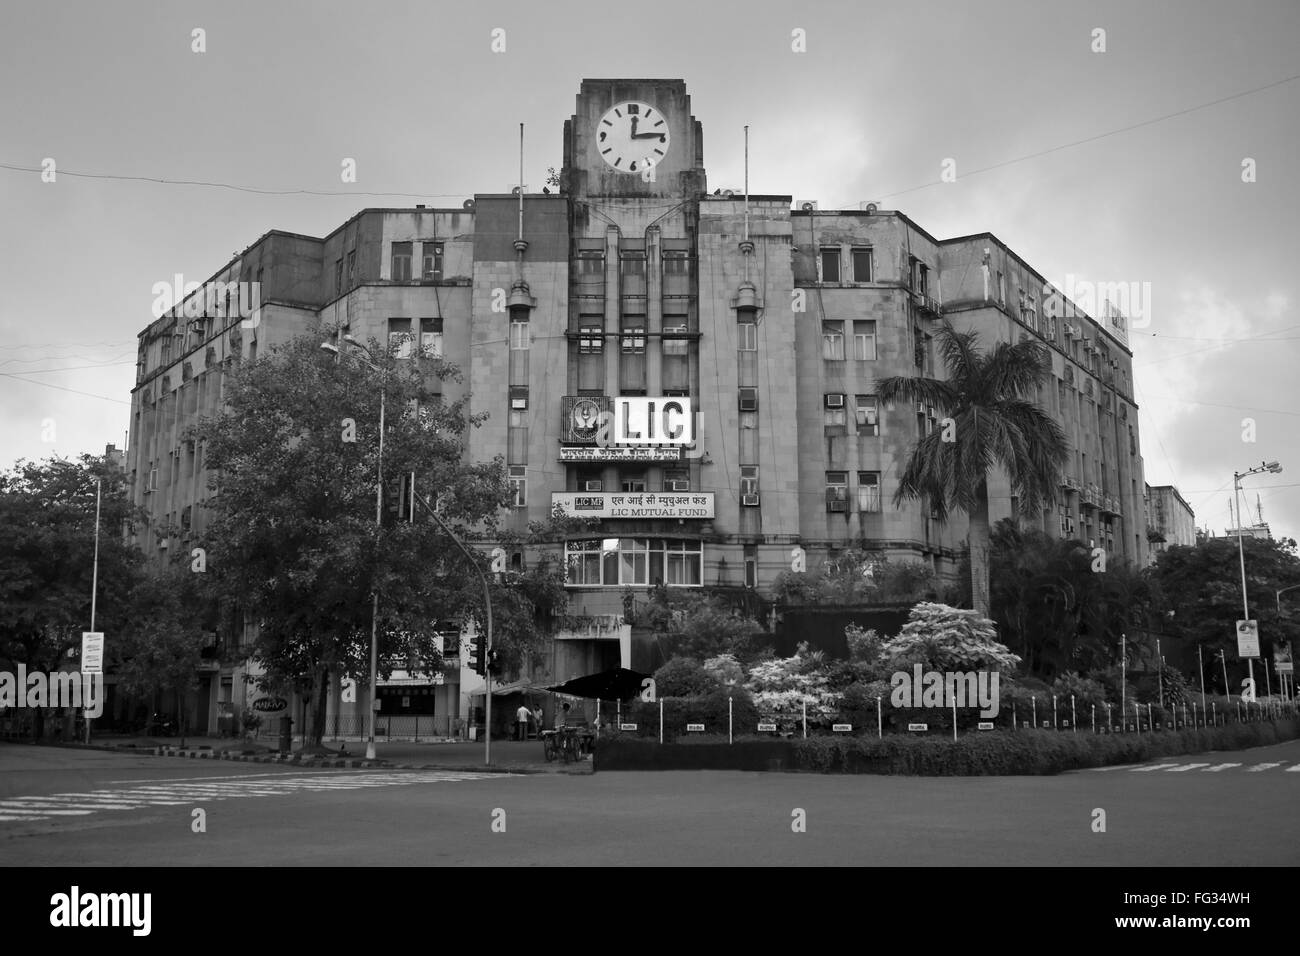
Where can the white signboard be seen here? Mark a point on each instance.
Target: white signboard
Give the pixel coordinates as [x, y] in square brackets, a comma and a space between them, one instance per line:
[1248, 638]
[635, 505]
[693, 727]
[644, 420]
[627, 726]
[92, 652]
[842, 728]
[918, 726]
[646, 453]
[986, 725]
[1286, 667]
[767, 728]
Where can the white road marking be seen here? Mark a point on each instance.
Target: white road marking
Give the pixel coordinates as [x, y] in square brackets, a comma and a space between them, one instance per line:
[1263, 766]
[1186, 767]
[1222, 766]
[201, 789]
[1159, 766]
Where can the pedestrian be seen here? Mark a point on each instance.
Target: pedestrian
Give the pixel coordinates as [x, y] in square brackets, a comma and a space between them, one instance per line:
[537, 718]
[562, 717]
[522, 716]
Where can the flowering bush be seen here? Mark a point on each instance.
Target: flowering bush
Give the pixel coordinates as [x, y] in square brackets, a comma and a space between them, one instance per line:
[943, 638]
[782, 687]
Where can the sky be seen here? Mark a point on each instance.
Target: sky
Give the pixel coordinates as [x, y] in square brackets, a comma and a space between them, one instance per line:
[1161, 153]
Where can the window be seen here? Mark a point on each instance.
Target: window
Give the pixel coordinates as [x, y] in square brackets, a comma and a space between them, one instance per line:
[747, 335]
[632, 266]
[399, 338]
[830, 264]
[834, 407]
[1002, 289]
[352, 268]
[633, 484]
[591, 264]
[677, 262]
[622, 562]
[749, 399]
[519, 485]
[866, 410]
[674, 346]
[837, 490]
[338, 276]
[634, 335]
[749, 485]
[833, 341]
[862, 265]
[401, 261]
[869, 491]
[590, 341]
[518, 407]
[519, 334]
[431, 338]
[751, 566]
[431, 267]
[683, 563]
[864, 341]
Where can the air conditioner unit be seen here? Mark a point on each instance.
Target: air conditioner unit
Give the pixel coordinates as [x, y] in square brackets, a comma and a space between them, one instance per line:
[807, 205]
[163, 544]
[838, 504]
[1071, 331]
[920, 408]
[593, 485]
[519, 403]
[870, 207]
[749, 501]
[834, 401]
[749, 399]
[678, 484]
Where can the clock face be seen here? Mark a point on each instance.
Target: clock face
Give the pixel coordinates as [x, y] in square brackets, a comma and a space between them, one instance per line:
[632, 137]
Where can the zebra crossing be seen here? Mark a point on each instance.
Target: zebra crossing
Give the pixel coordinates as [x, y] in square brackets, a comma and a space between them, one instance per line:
[1201, 767]
[195, 791]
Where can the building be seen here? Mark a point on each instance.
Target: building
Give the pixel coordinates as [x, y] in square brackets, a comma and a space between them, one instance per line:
[774, 318]
[1172, 521]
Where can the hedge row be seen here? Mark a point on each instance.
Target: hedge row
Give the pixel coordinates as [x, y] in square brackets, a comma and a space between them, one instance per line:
[994, 753]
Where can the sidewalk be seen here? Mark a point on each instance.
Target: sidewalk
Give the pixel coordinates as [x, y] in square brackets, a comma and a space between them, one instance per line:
[507, 755]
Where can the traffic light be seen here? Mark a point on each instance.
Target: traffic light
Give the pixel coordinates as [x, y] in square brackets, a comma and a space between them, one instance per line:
[476, 655]
[493, 662]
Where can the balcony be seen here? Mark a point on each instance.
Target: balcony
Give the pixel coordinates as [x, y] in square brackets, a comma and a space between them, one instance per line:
[1109, 505]
[1069, 482]
[1089, 497]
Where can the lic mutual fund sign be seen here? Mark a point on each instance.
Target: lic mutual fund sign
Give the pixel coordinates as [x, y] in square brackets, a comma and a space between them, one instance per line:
[627, 505]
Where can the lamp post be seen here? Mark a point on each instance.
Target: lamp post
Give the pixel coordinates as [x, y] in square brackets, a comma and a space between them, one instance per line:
[487, 612]
[1274, 468]
[379, 513]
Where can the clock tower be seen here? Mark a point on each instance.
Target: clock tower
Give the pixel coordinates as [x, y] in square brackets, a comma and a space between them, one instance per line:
[633, 139]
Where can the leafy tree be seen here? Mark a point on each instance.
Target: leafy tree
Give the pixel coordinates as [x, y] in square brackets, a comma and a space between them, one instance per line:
[943, 638]
[1201, 586]
[47, 542]
[292, 542]
[701, 625]
[995, 424]
[726, 669]
[1053, 609]
[161, 646]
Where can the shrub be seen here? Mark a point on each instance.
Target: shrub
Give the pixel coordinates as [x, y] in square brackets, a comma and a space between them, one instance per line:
[684, 677]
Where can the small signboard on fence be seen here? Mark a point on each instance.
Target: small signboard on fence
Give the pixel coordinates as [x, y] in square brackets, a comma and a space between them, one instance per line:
[842, 728]
[767, 728]
[694, 727]
[1065, 723]
[627, 726]
[918, 726]
[1045, 724]
[1145, 727]
[986, 725]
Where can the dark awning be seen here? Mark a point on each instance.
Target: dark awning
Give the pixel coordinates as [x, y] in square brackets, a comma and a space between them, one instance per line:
[617, 684]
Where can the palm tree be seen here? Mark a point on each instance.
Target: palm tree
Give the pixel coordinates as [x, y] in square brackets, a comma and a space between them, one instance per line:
[988, 421]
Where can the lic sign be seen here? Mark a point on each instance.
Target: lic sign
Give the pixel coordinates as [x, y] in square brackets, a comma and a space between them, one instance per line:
[643, 420]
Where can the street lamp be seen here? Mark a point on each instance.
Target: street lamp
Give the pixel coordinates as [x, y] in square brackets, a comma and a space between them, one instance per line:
[1274, 468]
[379, 511]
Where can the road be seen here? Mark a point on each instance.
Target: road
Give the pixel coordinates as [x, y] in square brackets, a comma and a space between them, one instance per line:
[78, 807]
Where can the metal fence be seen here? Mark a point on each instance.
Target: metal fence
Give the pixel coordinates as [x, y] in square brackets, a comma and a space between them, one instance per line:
[413, 727]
